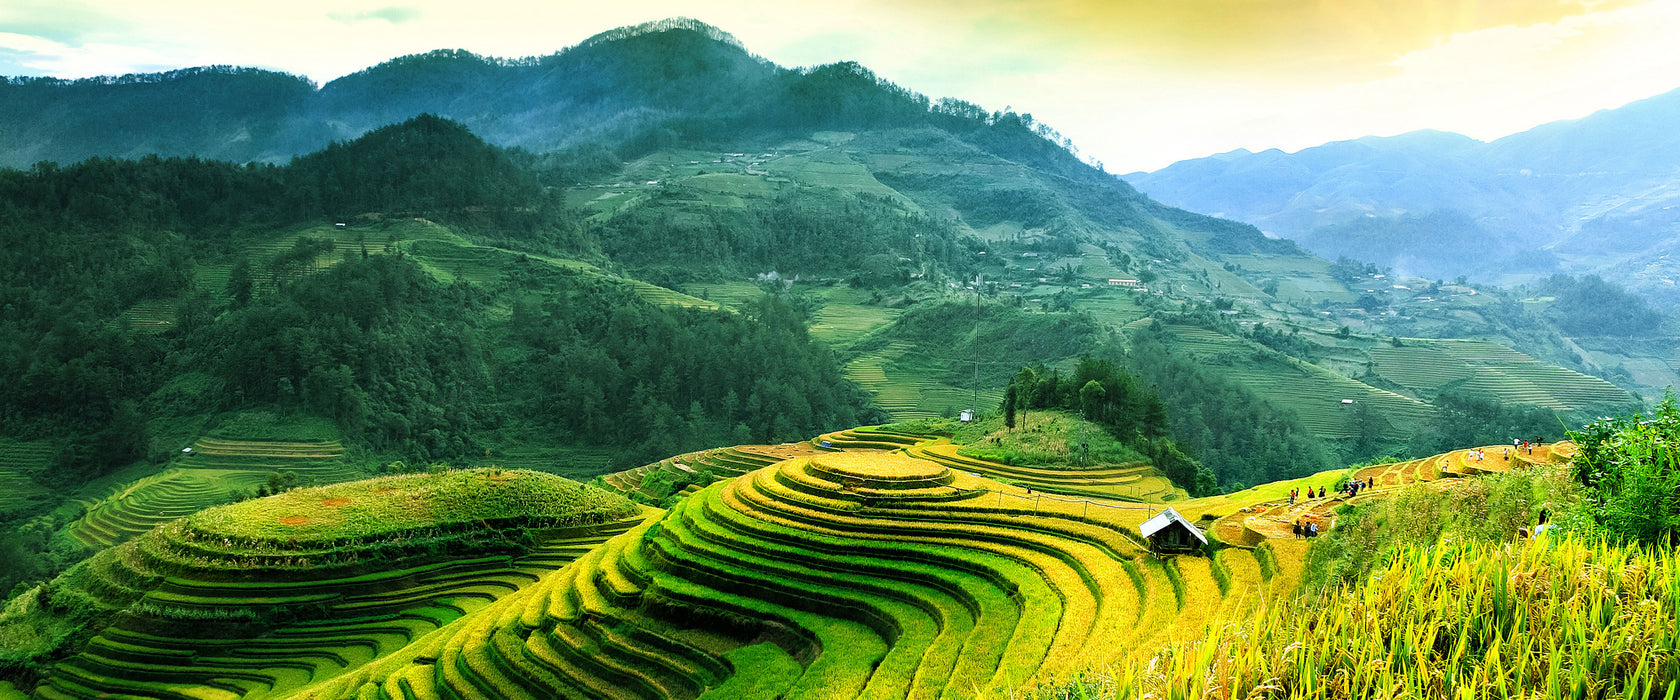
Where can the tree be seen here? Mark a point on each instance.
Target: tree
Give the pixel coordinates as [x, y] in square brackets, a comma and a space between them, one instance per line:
[1367, 431]
[1009, 406]
[239, 284]
[1631, 465]
[1092, 400]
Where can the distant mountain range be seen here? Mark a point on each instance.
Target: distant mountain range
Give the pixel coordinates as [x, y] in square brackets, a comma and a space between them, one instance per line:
[1599, 194]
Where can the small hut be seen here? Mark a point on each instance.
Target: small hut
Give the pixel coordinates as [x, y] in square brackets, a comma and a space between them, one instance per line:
[1170, 532]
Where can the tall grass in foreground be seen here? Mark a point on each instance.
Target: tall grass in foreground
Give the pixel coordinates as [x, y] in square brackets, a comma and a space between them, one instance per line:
[1458, 620]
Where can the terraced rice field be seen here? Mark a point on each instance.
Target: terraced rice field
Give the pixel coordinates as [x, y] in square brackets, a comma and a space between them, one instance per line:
[1492, 370]
[449, 262]
[147, 503]
[864, 563]
[1271, 519]
[833, 168]
[150, 316]
[839, 323]
[214, 613]
[836, 575]
[1138, 482]
[571, 463]
[1315, 394]
[19, 463]
[705, 466]
[317, 462]
[735, 295]
[908, 390]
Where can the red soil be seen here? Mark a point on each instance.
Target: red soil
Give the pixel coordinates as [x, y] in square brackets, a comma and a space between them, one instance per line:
[294, 520]
[336, 502]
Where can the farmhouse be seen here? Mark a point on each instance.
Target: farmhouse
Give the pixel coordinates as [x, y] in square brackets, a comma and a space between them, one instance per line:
[1170, 532]
[1123, 283]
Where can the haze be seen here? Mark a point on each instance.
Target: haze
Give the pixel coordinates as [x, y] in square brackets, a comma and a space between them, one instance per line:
[1136, 85]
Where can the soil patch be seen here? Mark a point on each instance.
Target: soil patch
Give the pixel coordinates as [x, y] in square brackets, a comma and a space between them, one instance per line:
[336, 502]
[294, 520]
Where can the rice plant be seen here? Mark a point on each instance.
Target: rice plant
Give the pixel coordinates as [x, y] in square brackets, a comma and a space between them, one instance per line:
[1458, 619]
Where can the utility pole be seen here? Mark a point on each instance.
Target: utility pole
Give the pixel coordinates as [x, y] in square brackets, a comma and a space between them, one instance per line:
[974, 404]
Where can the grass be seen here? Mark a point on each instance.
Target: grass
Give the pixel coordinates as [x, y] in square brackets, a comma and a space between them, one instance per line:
[1051, 438]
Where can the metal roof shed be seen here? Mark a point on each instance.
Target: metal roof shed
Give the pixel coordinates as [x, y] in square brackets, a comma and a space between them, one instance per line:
[1169, 531]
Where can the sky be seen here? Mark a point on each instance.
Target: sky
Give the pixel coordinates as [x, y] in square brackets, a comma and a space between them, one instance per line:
[1136, 84]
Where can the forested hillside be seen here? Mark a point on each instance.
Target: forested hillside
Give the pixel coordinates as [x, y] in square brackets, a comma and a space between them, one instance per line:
[401, 360]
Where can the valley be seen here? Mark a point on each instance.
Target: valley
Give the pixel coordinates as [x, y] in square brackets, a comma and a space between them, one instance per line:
[653, 369]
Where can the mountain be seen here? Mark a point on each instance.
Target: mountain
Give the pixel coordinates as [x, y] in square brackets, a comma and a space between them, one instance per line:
[1591, 195]
[655, 212]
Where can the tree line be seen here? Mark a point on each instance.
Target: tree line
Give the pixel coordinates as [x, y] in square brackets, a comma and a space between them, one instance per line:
[1108, 396]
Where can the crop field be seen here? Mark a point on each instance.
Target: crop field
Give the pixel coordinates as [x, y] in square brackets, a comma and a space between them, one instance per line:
[868, 562]
[485, 265]
[149, 502]
[150, 316]
[572, 463]
[1299, 279]
[321, 462]
[840, 323]
[377, 507]
[19, 463]
[883, 575]
[1315, 394]
[832, 168]
[449, 262]
[735, 295]
[1112, 305]
[1568, 620]
[1135, 482]
[1493, 370]
[262, 607]
[907, 387]
[702, 468]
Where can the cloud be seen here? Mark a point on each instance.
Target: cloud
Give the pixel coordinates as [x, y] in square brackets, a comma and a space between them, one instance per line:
[22, 54]
[67, 23]
[394, 15]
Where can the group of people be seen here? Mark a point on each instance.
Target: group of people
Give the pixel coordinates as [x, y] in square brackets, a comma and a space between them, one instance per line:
[1306, 529]
[1296, 493]
[1354, 486]
[1479, 455]
[1524, 445]
[1350, 489]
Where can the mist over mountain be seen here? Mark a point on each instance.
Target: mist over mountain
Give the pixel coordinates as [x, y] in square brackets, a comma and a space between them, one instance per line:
[1591, 195]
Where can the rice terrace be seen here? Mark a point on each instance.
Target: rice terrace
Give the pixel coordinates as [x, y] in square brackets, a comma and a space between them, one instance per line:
[876, 562]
